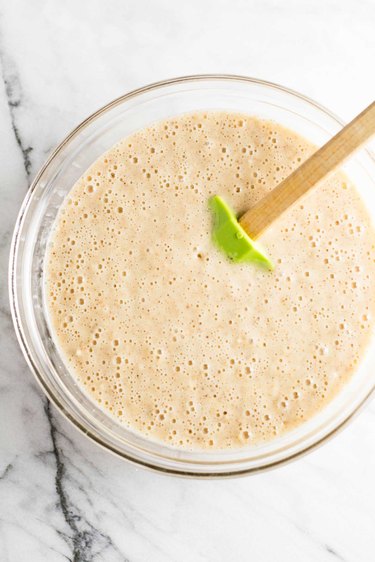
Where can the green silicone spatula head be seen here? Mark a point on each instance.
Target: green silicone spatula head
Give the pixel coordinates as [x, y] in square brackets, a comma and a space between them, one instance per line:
[230, 237]
[236, 238]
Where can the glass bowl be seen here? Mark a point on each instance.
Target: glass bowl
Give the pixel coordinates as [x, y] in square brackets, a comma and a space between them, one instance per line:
[69, 161]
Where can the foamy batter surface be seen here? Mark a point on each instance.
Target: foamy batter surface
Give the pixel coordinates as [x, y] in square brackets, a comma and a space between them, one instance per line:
[166, 334]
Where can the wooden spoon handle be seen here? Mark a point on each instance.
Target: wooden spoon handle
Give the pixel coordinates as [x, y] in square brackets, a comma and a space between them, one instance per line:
[315, 168]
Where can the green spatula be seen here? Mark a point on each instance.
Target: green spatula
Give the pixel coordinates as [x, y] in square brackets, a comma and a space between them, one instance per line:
[236, 237]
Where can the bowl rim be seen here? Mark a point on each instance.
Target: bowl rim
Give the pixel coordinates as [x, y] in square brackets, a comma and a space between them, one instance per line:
[14, 305]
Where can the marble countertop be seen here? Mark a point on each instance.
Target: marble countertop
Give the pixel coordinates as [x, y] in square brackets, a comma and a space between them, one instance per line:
[61, 497]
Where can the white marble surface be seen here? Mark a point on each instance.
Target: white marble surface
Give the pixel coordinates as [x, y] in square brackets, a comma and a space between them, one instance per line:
[61, 497]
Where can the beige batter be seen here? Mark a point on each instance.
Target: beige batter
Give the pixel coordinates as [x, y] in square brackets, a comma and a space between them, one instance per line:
[165, 333]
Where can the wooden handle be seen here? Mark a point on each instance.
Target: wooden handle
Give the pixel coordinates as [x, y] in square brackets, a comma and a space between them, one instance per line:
[315, 168]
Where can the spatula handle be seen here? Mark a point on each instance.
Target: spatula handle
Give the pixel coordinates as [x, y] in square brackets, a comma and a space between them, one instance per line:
[315, 168]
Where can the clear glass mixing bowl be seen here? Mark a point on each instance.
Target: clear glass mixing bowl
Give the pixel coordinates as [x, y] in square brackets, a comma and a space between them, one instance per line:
[69, 161]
